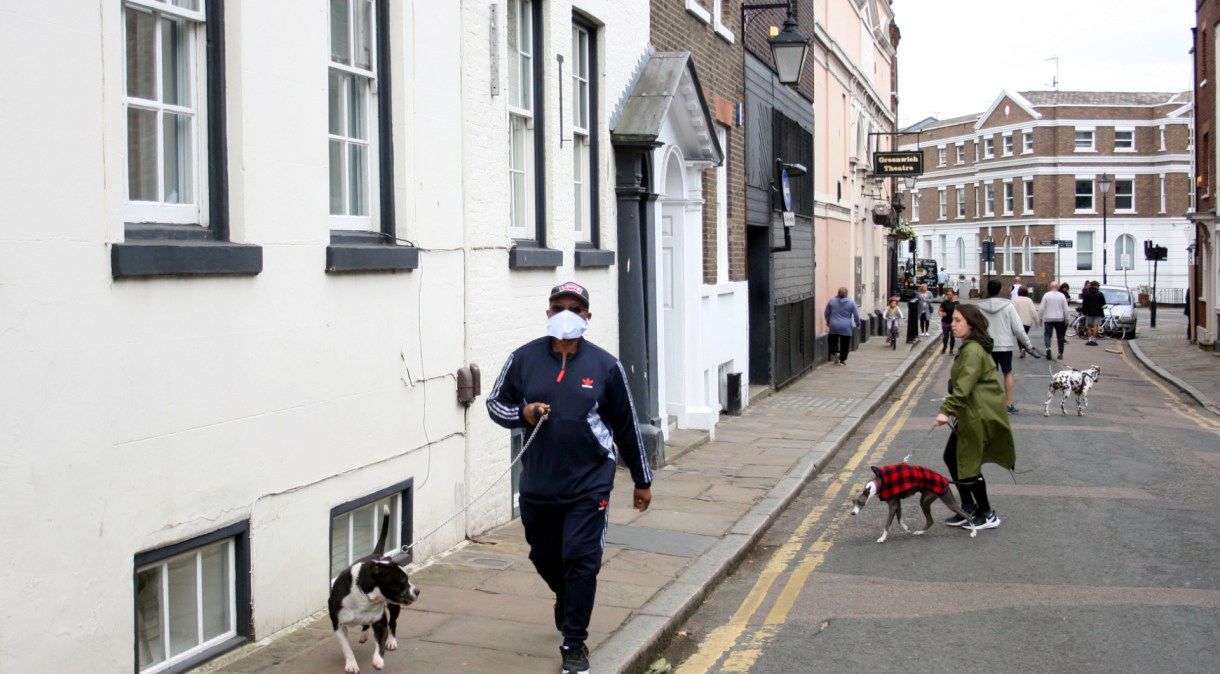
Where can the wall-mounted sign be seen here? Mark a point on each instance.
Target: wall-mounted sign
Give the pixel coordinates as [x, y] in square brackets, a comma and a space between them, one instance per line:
[886, 164]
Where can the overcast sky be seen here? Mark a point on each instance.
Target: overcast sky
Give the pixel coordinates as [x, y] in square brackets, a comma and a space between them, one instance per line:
[956, 56]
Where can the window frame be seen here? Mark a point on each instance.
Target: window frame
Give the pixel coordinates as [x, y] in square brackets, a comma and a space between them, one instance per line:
[1118, 252]
[376, 248]
[943, 203]
[942, 155]
[1129, 145]
[1009, 197]
[588, 251]
[989, 198]
[1027, 195]
[960, 192]
[1079, 182]
[1027, 255]
[1009, 267]
[1007, 144]
[529, 237]
[1082, 250]
[1129, 196]
[961, 253]
[1027, 141]
[989, 147]
[915, 205]
[203, 249]
[404, 527]
[239, 597]
[960, 153]
[1079, 138]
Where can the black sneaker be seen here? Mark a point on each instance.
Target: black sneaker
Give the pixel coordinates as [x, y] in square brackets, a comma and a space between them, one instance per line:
[559, 614]
[575, 659]
[987, 520]
[958, 520]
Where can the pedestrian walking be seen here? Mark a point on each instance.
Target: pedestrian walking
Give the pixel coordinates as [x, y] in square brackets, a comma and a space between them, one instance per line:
[1015, 291]
[981, 433]
[578, 393]
[925, 308]
[1093, 306]
[947, 307]
[1053, 311]
[842, 316]
[1004, 326]
[1026, 310]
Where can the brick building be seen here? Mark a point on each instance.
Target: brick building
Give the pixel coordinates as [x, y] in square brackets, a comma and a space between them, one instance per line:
[1203, 249]
[1029, 170]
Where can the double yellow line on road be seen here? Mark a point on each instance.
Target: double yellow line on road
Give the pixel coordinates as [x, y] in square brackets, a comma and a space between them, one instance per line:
[728, 637]
[1175, 402]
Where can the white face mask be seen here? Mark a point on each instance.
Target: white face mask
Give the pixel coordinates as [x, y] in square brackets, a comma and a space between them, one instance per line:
[566, 325]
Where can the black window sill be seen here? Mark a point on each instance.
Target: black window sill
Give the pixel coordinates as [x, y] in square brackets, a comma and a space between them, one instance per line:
[142, 258]
[368, 251]
[593, 257]
[533, 257]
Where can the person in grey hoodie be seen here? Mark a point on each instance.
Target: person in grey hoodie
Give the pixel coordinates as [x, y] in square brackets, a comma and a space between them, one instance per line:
[842, 316]
[1004, 326]
[1053, 310]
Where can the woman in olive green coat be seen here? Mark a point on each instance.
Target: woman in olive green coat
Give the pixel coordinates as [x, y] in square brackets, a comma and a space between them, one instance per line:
[981, 433]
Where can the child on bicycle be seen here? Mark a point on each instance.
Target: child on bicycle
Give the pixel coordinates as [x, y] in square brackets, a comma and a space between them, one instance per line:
[892, 316]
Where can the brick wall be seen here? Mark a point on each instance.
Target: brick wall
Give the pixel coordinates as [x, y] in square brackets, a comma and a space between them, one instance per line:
[720, 67]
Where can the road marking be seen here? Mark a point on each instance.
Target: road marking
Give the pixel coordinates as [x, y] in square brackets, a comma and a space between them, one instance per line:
[722, 639]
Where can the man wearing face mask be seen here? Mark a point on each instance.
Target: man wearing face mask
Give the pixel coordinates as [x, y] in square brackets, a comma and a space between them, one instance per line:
[578, 392]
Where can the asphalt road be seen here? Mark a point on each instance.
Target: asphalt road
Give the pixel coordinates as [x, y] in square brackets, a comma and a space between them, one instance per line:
[1107, 558]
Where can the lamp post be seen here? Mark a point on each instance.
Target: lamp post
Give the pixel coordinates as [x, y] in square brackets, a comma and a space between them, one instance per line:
[788, 47]
[1104, 184]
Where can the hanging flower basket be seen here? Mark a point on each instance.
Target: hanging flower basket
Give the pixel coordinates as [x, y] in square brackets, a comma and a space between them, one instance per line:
[904, 232]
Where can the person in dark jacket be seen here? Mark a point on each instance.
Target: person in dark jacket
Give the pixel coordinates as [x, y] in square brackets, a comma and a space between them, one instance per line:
[842, 316]
[573, 396]
[1093, 306]
[947, 306]
[982, 433]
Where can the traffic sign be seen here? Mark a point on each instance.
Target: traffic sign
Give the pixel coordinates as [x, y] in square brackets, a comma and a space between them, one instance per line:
[1048, 242]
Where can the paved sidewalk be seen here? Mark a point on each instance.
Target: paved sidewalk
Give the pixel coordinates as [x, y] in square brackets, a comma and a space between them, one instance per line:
[483, 608]
[1165, 351]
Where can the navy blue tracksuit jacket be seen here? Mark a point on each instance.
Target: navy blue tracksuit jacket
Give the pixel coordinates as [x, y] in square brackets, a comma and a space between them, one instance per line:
[573, 455]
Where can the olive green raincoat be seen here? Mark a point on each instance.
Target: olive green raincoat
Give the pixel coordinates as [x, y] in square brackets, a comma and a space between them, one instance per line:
[977, 400]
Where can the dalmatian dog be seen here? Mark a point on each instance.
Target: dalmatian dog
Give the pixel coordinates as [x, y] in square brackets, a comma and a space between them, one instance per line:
[1072, 381]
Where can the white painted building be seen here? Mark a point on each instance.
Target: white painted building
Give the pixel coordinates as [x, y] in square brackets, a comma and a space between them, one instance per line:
[248, 247]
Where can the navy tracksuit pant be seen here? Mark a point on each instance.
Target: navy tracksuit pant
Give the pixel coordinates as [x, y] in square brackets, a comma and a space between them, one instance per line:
[566, 543]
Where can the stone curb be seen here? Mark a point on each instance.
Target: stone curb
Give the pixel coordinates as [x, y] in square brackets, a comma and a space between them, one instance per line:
[1168, 376]
[646, 633]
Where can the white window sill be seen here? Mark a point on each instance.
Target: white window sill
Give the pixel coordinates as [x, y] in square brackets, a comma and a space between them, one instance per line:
[698, 11]
[1083, 150]
[724, 32]
[1088, 212]
[1124, 149]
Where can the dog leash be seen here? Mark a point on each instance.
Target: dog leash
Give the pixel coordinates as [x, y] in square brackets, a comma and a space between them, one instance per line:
[407, 548]
[907, 458]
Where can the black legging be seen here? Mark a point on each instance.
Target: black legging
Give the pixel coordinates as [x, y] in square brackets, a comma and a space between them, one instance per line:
[946, 337]
[974, 493]
[923, 322]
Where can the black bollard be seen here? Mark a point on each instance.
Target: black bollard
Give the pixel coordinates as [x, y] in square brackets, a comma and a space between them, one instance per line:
[912, 320]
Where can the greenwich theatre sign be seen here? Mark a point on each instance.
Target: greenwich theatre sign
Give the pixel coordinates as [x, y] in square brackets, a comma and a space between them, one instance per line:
[893, 164]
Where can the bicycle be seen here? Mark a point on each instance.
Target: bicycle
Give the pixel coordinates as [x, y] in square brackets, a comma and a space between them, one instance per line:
[893, 338]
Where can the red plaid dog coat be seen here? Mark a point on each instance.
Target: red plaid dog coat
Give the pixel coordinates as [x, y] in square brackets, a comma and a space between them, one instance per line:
[900, 479]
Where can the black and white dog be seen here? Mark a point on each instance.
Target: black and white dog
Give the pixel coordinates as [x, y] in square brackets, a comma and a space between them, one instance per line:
[1072, 382]
[370, 592]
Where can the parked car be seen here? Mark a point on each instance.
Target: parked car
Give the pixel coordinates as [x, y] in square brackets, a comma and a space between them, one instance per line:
[1120, 302]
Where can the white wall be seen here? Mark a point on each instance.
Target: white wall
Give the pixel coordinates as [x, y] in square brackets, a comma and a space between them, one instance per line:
[143, 412]
[507, 307]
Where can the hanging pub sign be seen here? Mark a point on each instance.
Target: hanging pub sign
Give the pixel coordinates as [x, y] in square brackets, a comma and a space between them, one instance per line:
[887, 164]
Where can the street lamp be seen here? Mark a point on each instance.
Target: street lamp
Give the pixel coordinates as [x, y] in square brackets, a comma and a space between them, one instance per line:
[1104, 184]
[788, 47]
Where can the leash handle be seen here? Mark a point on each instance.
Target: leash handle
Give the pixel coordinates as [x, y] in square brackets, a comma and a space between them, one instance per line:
[528, 441]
